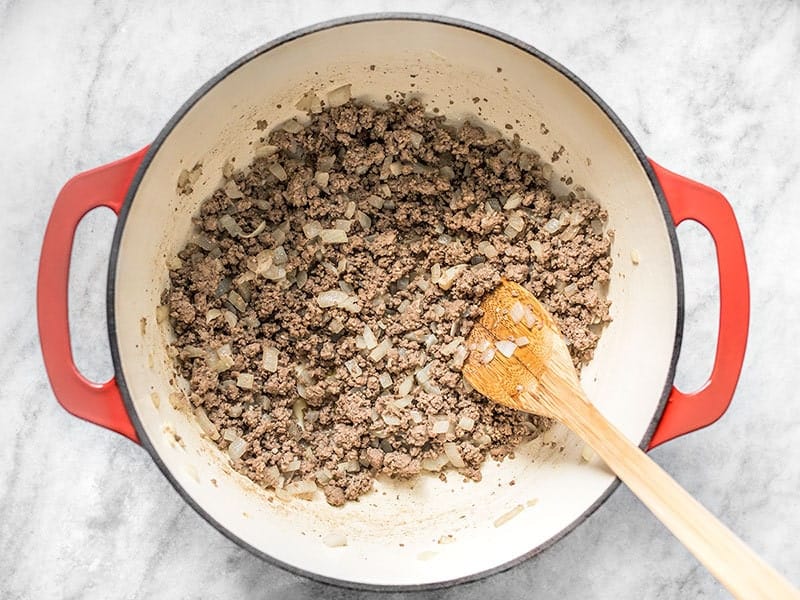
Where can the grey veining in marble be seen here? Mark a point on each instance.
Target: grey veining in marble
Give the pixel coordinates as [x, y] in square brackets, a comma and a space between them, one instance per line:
[709, 89]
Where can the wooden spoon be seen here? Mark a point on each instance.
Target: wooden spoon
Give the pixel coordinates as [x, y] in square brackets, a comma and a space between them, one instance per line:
[519, 358]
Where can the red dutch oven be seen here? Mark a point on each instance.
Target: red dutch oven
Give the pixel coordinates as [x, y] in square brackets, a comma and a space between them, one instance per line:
[394, 534]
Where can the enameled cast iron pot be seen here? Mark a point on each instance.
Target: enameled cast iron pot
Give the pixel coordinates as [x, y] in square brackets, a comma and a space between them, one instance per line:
[392, 533]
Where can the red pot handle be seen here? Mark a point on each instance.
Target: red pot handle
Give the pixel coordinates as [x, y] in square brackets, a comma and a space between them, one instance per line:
[688, 199]
[104, 186]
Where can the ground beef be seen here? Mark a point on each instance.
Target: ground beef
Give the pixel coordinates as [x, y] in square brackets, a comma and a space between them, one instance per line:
[434, 217]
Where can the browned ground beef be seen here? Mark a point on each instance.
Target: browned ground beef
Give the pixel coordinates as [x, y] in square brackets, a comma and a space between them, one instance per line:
[434, 216]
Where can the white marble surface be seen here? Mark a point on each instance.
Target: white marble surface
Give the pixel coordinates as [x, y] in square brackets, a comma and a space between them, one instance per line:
[710, 91]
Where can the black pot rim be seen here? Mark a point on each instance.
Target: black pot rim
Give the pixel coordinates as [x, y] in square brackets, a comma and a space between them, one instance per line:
[186, 107]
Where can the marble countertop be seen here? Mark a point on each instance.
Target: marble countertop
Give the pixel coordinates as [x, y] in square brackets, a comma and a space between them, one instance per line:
[710, 91]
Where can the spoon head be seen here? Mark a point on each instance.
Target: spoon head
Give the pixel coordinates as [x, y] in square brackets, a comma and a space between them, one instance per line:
[517, 355]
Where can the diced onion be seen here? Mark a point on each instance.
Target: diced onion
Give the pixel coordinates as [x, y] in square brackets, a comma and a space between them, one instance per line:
[434, 464]
[321, 178]
[343, 224]
[331, 298]
[370, 341]
[162, 313]
[335, 539]
[333, 236]
[436, 272]
[339, 95]
[380, 350]
[238, 302]
[192, 352]
[487, 249]
[405, 386]
[278, 171]
[292, 126]
[459, 356]
[505, 347]
[487, 356]
[569, 233]
[269, 359]
[552, 226]
[325, 163]
[279, 256]
[538, 250]
[453, 455]
[516, 222]
[587, 453]
[298, 410]
[529, 318]
[522, 341]
[516, 312]
[514, 201]
[323, 476]
[424, 374]
[451, 347]
[449, 276]
[440, 426]
[375, 201]
[245, 381]
[232, 190]
[237, 448]
[403, 402]
[275, 273]
[230, 225]
[430, 340]
[312, 229]
[230, 318]
[385, 379]
[265, 150]
[292, 466]
[205, 423]
[364, 220]
[416, 138]
[302, 489]
[447, 172]
[430, 388]
[416, 416]
[466, 423]
[174, 263]
[391, 420]
[223, 363]
[482, 438]
[353, 367]
[349, 466]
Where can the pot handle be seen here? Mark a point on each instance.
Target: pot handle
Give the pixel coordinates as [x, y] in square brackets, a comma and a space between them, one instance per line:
[104, 186]
[689, 200]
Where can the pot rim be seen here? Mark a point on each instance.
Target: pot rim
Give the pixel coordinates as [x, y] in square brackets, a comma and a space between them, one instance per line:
[211, 83]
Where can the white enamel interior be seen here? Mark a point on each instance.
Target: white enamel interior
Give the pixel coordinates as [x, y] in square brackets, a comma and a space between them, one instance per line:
[393, 532]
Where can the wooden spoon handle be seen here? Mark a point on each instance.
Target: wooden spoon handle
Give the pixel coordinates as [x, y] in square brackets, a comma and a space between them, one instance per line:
[728, 558]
